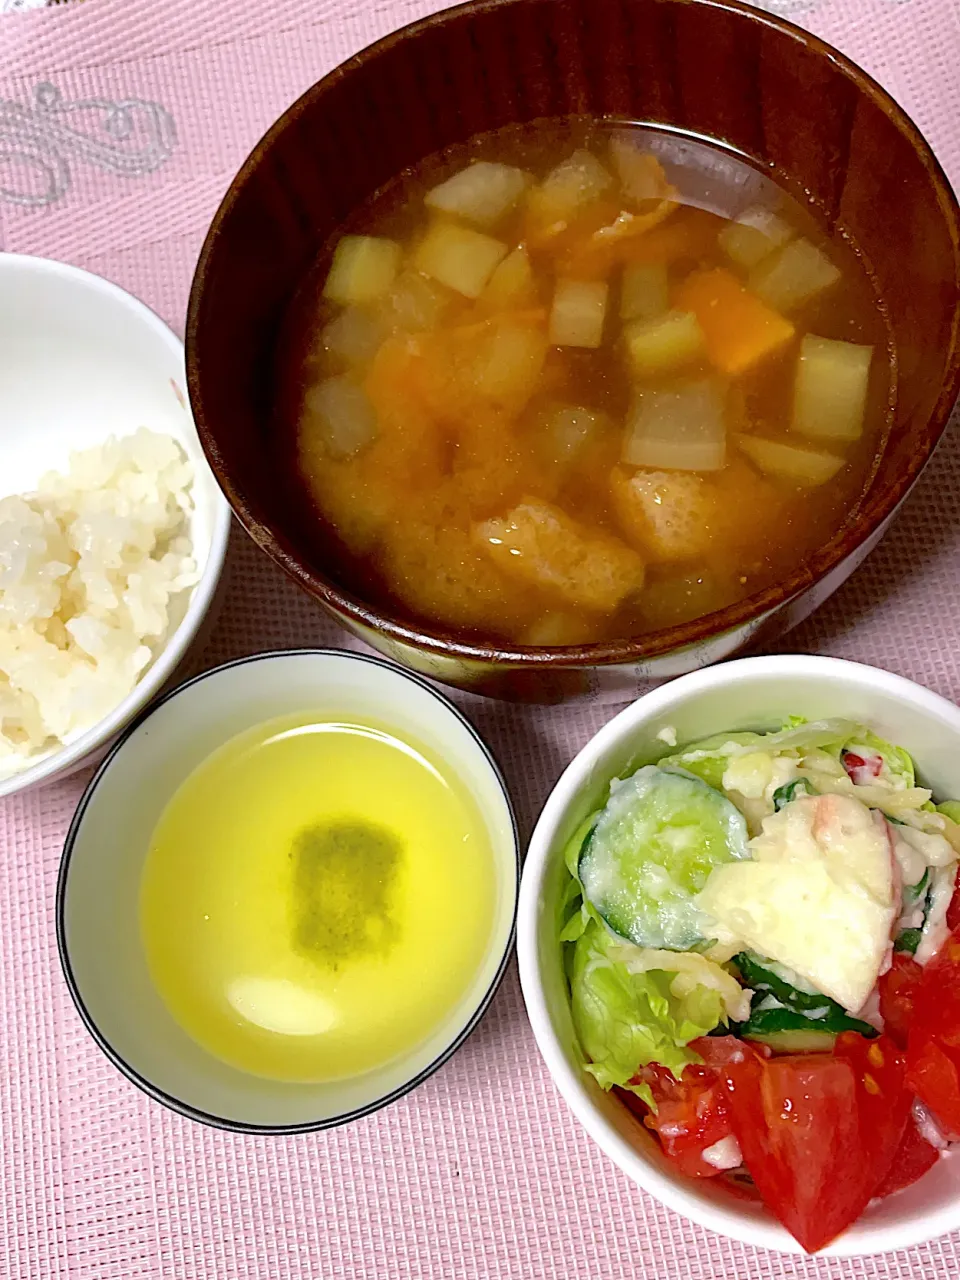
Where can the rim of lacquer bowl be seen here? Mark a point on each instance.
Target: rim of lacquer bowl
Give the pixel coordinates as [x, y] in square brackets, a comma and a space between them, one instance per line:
[752, 610]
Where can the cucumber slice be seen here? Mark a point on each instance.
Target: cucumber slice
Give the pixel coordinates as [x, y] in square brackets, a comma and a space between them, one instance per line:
[796, 1041]
[764, 1023]
[785, 1015]
[762, 975]
[654, 845]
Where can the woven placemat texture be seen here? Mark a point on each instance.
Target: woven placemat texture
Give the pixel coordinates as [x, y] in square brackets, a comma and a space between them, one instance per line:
[481, 1172]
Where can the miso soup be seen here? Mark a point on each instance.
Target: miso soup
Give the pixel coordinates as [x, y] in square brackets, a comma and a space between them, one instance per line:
[579, 381]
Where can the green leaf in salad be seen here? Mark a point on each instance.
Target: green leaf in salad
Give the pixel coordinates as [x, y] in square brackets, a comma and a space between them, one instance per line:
[908, 940]
[764, 975]
[624, 1020]
[948, 812]
[895, 792]
[790, 791]
[708, 758]
[914, 892]
[805, 735]
[571, 913]
[575, 911]
[818, 748]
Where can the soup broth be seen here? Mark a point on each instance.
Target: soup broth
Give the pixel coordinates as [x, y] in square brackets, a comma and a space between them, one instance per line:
[579, 381]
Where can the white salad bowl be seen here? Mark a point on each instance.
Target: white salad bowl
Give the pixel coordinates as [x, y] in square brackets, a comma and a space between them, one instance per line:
[98, 894]
[752, 693]
[81, 360]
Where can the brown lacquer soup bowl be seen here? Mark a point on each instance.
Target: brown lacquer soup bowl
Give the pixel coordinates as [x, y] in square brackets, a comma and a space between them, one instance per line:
[753, 83]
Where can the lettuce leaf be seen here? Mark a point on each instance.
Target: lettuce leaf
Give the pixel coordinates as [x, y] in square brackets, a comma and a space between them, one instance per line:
[708, 759]
[802, 735]
[950, 809]
[625, 1021]
[575, 911]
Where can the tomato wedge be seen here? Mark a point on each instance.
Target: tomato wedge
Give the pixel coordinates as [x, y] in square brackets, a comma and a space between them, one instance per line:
[898, 991]
[953, 911]
[814, 1131]
[913, 1158]
[692, 1113]
[691, 1116]
[882, 1099]
[933, 1046]
[796, 1121]
[935, 1078]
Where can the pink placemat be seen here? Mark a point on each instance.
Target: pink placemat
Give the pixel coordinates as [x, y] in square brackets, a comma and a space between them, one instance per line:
[121, 124]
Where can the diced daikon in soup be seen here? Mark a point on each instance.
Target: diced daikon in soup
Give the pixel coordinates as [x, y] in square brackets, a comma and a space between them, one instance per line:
[581, 381]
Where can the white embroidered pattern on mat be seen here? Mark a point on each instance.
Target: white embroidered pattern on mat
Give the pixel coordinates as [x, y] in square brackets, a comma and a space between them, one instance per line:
[39, 139]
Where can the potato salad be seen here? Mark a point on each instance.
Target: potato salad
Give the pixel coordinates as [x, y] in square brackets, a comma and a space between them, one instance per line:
[762, 936]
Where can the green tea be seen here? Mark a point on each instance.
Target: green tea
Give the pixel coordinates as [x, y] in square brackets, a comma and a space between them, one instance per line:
[317, 899]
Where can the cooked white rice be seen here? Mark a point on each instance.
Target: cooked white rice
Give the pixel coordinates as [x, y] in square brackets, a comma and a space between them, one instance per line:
[89, 566]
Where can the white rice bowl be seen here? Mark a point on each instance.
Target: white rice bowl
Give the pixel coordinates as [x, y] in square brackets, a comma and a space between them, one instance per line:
[92, 567]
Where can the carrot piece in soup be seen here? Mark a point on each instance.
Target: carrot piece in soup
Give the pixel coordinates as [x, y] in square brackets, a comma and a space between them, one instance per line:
[594, 253]
[738, 328]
